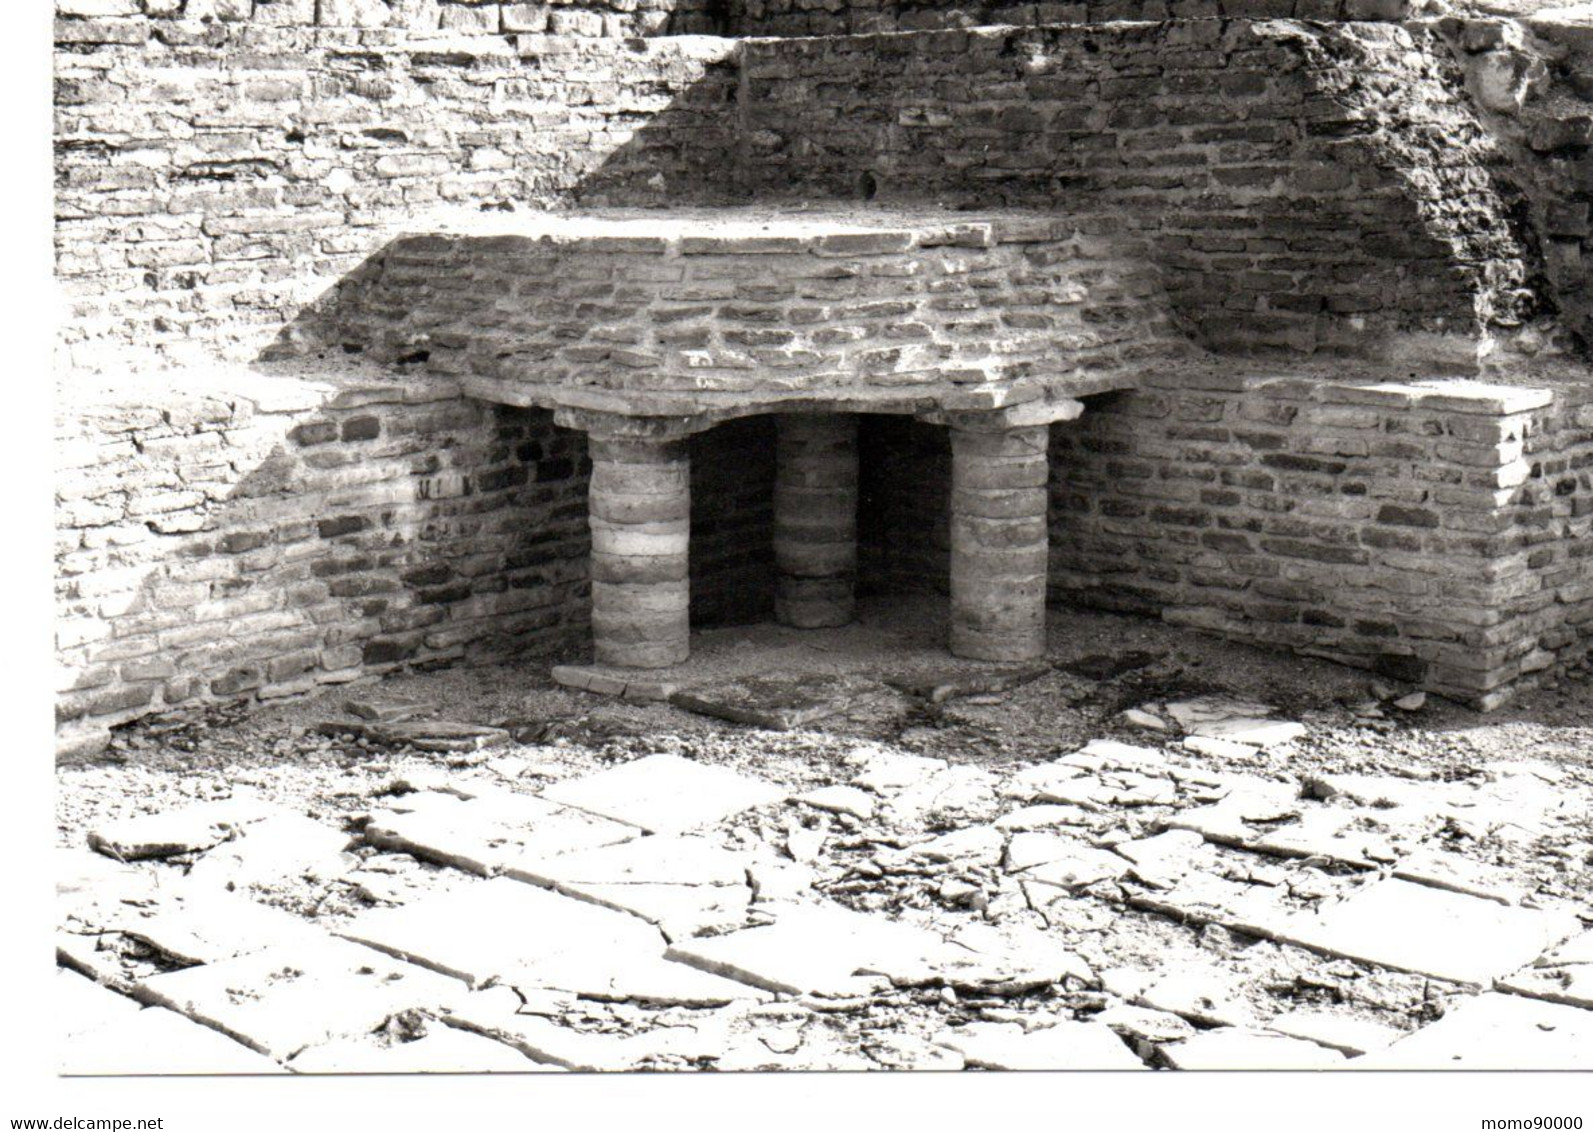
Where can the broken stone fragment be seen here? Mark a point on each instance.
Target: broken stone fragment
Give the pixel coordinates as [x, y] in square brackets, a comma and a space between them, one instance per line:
[974, 845]
[1231, 1048]
[884, 772]
[1138, 717]
[274, 850]
[840, 800]
[493, 928]
[685, 885]
[157, 1042]
[440, 1049]
[665, 793]
[1065, 1045]
[489, 833]
[1495, 1031]
[79, 1004]
[1042, 817]
[187, 830]
[808, 949]
[1350, 1036]
[282, 999]
[1207, 996]
[384, 710]
[431, 735]
[1429, 931]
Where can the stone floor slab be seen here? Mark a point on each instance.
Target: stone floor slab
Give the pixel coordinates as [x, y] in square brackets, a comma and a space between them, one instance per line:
[1571, 984]
[1429, 931]
[197, 924]
[665, 793]
[1495, 1031]
[808, 949]
[840, 800]
[443, 1049]
[885, 772]
[489, 833]
[651, 980]
[79, 1004]
[160, 1043]
[565, 1047]
[683, 884]
[190, 829]
[1350, 1036]
[1066, 1046]
[279, 848]
[283, 999]
[493, 927]
[1236, 1049]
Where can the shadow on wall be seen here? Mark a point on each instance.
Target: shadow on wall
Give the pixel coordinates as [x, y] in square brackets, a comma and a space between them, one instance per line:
[1305, 188]
[281, 535]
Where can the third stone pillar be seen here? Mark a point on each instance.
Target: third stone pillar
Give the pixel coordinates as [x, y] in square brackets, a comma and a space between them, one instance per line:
[998, 542]
[641, 527]
[815, 519]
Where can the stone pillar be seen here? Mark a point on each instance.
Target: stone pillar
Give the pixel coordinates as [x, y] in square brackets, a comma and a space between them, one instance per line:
[640, 514]
[998, 542]
[815, 519]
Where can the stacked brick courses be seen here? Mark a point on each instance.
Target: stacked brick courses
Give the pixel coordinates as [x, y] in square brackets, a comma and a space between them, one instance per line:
[1305, 188]
[983, 305]
[266, 536]
[209, 187]
[126, 21]
[1404, 528]
[861, 17]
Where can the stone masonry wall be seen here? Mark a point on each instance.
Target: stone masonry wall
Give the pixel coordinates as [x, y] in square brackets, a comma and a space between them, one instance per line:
[265, 536]
[100, 20]
[1306, 188]
[211, 183]
[859, 17]
[1435, 534]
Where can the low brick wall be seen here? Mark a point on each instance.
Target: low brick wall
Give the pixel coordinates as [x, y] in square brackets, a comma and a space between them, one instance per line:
[210, 185]
[1433, 534]
[265, 536]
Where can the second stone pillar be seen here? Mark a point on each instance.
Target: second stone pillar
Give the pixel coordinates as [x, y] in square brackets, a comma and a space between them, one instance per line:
[641, 527]
[998, 542]
[815, 519]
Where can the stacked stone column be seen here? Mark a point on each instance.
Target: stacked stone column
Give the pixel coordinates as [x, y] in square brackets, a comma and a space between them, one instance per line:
[998, 542]
[815, 519]
[641, 526]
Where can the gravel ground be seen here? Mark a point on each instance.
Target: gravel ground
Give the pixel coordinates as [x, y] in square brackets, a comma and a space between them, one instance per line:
[1103, 664]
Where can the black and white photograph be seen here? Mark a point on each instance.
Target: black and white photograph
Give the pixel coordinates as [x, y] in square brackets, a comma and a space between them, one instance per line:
[1011, 550]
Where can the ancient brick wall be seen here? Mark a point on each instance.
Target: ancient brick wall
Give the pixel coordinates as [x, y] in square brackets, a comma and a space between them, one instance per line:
[991, 304]
[1306, 188]
[1532, 82]
[99, 20]
[213, 180]
[265, 536]
[859, 17]
[1422, 532]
